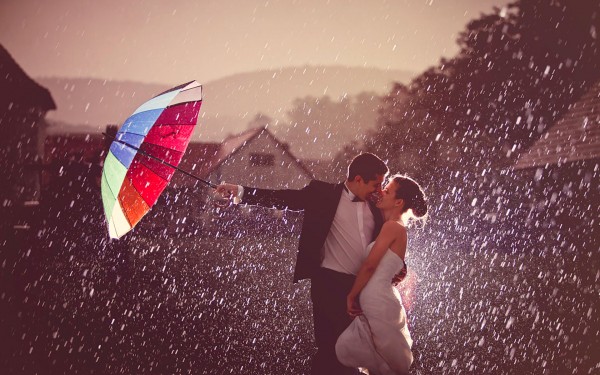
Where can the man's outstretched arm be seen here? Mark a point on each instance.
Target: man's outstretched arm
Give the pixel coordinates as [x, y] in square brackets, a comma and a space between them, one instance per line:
[285, 199]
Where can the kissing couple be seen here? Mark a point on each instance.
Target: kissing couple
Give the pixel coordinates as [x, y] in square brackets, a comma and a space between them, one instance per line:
[352, 248]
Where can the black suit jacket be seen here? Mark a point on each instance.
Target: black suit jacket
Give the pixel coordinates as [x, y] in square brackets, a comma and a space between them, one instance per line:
[319, 201]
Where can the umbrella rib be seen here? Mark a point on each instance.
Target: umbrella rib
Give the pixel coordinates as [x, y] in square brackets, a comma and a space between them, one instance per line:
[162, 161]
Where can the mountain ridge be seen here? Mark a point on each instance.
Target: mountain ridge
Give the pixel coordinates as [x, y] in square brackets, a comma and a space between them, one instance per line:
[83, 101]
[230, 103]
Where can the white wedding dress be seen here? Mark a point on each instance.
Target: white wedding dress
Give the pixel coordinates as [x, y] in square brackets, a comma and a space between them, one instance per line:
[379, 340]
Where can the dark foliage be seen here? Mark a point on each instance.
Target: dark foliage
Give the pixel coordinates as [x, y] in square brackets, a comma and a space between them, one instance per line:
[517, 72]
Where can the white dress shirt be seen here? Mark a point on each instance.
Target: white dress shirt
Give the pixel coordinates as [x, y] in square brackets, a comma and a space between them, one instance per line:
[345, 247]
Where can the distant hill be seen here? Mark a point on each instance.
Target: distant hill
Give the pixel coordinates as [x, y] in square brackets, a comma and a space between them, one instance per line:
[85, 105]
[229, 104]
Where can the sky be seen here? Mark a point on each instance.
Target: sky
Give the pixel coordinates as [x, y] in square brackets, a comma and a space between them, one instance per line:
[160, 41]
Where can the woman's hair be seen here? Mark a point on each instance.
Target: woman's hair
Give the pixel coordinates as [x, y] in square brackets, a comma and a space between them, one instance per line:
[413, 196]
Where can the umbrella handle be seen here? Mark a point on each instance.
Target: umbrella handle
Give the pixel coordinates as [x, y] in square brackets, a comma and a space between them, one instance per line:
[162, 161]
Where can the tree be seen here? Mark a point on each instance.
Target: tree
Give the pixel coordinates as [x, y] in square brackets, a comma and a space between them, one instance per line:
[518, 70]
[319, 127]
[259, 121]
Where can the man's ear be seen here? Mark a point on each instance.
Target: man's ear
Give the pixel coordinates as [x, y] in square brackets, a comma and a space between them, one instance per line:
[358, 178]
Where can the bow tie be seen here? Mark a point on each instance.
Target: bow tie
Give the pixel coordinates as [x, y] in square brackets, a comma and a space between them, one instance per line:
[355, 199]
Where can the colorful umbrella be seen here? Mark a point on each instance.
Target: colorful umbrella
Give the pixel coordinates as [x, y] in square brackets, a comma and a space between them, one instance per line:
[145, 154]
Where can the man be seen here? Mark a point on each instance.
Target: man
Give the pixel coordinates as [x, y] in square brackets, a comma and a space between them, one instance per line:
[339, 222]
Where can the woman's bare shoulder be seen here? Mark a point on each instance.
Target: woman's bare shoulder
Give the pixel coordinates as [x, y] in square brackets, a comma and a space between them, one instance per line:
[398, 232]
[394, 225]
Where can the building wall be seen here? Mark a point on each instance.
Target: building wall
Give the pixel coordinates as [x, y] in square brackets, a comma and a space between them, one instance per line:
[241, 168]
[67, 150]
[22, 130]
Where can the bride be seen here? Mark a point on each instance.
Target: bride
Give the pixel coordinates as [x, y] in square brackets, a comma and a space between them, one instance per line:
[378, 338]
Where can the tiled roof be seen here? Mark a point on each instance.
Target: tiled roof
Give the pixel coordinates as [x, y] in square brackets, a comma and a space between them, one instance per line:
[200, 157]
[17, 89]
[574, 137]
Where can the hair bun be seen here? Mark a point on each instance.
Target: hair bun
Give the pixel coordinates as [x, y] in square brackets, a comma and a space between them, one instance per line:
[419, 206]
[413, 195]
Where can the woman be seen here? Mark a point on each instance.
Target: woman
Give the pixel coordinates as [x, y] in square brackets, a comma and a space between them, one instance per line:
[378, 338]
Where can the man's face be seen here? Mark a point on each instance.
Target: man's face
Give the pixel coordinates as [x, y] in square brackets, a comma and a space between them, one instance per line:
[367, 188]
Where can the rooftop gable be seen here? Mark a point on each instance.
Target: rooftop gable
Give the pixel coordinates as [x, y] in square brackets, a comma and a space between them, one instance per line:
[576, 136]
[204, 158]
[18, 89]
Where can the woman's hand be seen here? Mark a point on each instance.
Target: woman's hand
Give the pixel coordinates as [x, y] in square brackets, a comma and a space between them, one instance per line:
[400, 276]
[352, 306]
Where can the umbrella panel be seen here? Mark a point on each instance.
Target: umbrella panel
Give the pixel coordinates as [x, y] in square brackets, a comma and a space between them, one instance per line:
[118, 223]
[158, 102]
[108, 199]
[175, 137]
[132, 202]
[180, 114]
[148, 184]
[162, 170]
[115, 173]
[141, 123]
[122, 153]
[168, 155]
[191, 94]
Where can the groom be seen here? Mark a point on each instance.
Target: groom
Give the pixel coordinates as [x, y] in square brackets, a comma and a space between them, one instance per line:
[339, 223]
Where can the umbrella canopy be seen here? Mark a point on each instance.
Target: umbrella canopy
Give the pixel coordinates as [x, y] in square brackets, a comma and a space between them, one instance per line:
[145, 154]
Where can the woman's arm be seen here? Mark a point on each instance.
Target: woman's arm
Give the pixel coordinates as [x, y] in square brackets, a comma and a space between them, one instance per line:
[390, 232]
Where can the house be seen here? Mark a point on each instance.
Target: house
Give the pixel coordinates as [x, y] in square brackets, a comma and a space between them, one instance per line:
[66, 150]
[570, 149]
[253, 158]
[23, 106]
[562, 171]
[574, 139]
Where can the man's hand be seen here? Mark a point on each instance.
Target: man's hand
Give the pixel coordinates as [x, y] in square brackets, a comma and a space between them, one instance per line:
[227, 190]
[400, 275]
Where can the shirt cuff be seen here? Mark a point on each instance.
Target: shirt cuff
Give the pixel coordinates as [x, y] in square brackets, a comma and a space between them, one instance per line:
[237, 199]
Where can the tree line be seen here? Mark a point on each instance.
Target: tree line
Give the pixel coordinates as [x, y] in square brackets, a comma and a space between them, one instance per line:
[517, 71]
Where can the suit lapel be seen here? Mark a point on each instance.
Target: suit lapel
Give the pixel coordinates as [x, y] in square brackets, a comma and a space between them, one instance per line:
[334, 202]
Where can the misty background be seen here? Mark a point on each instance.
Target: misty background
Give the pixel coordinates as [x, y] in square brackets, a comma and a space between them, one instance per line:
[101, 61]
[492, 106]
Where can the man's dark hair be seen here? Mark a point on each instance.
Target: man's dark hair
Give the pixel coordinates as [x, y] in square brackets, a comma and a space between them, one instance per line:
[367, 166]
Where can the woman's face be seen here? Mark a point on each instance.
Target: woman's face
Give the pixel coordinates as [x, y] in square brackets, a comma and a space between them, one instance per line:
[388, 198]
